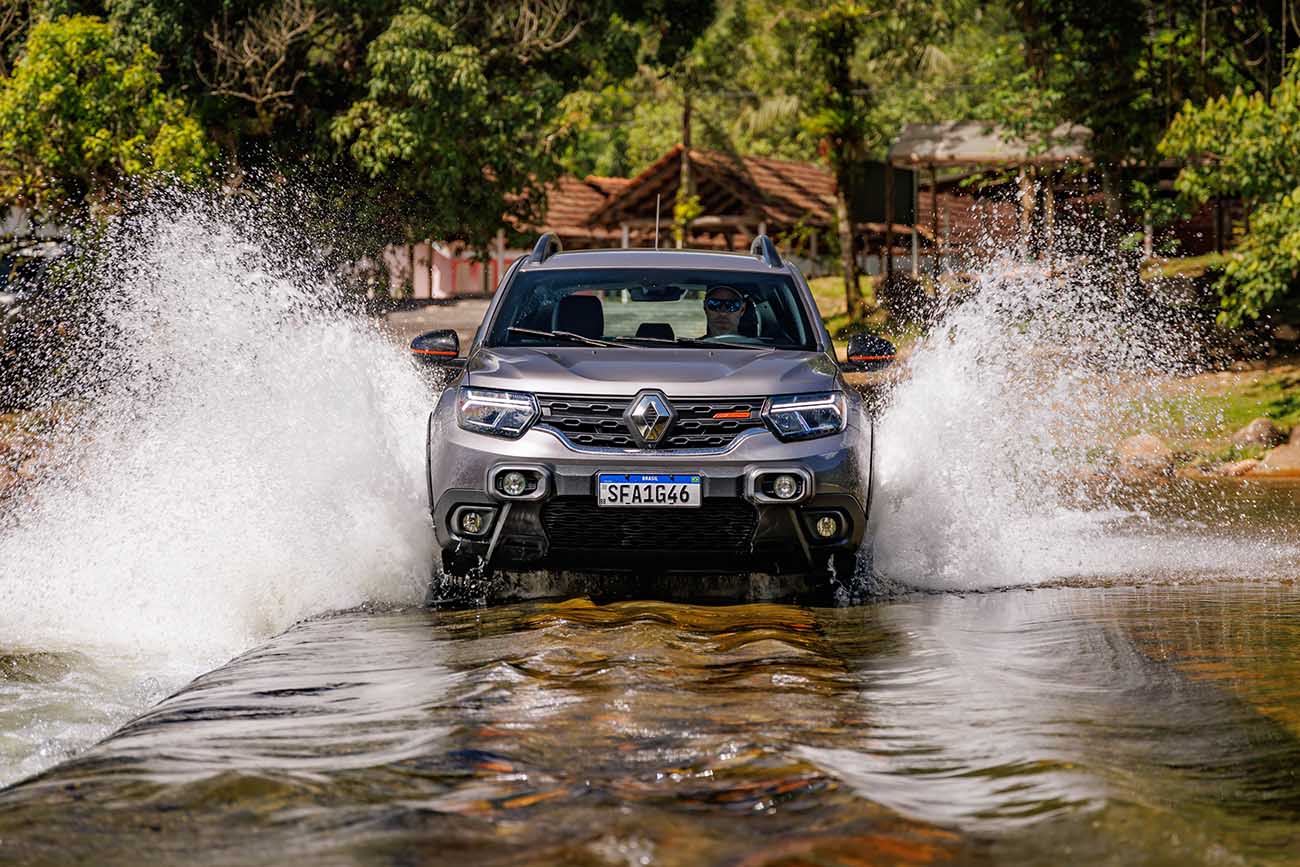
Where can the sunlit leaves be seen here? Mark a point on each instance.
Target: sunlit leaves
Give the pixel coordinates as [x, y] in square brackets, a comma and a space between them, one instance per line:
[464, 104]
[80, 114]
[1248, 145]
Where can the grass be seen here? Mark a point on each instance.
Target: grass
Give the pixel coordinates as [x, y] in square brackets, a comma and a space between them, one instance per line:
[829, 295]
[1184, 266]
[1230, 453]
[1275, 397]
[1199, 416]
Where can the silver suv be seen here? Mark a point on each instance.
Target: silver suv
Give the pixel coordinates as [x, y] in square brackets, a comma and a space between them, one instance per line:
[650, 411]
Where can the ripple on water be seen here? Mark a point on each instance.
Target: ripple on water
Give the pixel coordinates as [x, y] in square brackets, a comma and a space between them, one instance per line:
[1156, 724]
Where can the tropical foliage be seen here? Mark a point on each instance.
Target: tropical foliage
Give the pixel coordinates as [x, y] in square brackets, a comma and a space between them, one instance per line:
[459, 107]
[1248, 145]
[439, 117]
[81, 113]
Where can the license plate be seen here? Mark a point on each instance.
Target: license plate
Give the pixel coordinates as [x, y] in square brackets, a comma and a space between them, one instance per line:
[648, 489]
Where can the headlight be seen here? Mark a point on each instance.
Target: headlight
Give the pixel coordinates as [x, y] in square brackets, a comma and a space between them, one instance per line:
[500, 413]
[805, 416]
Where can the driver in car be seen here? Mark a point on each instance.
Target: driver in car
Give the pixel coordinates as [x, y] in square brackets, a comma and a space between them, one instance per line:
[723, 308]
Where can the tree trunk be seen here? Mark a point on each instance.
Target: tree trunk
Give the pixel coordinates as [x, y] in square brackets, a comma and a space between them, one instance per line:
[1110, 195]
[408, 290]
[934, 223]
[1028, 210]
[686, 182]
[852, 293]
[888, 262]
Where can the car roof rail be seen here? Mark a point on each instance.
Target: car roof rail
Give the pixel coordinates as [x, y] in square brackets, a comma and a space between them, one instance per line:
[764, 249]
[546, 247]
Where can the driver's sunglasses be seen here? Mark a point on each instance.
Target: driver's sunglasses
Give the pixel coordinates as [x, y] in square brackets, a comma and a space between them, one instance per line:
[724, 305]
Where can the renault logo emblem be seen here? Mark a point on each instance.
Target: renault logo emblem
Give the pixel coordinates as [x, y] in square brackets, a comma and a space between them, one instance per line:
[649, 417]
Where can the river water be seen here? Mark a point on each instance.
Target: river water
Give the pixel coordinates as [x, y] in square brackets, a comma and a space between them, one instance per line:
[1154, 722]
[213, 647]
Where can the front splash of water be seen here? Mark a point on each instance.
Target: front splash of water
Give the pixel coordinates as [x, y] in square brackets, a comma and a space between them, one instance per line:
[241, 451]
[990, 450]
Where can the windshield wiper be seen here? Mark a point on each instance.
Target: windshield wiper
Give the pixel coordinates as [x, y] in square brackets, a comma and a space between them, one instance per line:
[691, 341]
[565, 335]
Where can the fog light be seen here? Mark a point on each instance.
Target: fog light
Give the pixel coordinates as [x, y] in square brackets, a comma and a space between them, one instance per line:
[472, 522]
[827, 527]
[785, 487]
[513, 483]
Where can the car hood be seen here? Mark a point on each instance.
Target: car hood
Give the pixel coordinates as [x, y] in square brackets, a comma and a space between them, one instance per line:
[677, 372]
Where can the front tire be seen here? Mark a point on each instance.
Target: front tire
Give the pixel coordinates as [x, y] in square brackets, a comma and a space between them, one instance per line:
[842, 568]
[836, 575]
[458, 565]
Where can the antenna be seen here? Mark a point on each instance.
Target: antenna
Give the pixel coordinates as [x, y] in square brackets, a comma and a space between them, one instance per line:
[658, 196]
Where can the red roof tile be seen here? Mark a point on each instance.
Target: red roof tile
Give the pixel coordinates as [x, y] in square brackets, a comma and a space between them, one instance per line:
[608, 186]
[780, 191]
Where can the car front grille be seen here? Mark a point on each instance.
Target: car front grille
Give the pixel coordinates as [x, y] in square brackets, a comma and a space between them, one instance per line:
[598, 422]
[721, 526]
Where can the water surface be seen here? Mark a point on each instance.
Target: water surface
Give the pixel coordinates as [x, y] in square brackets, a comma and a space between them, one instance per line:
[1152, 724]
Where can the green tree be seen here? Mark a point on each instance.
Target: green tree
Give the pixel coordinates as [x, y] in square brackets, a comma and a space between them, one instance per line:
[15, 18]
[742, 81]
[847, 50]
[463, 104]
[268, 76]
[1248, 145]
[841, 115]
[80, 114]
[1123, 68]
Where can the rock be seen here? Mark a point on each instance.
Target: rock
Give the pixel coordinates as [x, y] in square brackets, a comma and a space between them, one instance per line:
[1238, 468]
[1145, 453]
[1283, 459]
[1245, 366]
[1286, 333]
[1260, 432]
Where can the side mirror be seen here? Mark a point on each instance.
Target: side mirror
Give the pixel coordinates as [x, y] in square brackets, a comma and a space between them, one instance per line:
[437, 347]
[868, 352]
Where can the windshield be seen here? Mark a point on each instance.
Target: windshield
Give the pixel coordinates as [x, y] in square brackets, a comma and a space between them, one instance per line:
[661, 307]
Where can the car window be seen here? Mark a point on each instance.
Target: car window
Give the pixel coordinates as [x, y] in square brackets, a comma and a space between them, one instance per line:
[660, 306]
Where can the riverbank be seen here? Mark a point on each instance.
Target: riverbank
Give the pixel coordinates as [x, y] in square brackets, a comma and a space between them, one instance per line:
[1244, 421]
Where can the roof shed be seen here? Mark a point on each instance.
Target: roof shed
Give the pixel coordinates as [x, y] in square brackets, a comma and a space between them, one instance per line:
[978, 143]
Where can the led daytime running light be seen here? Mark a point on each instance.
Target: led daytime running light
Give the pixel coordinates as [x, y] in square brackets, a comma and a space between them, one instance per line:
[495, 412]
[806, 416]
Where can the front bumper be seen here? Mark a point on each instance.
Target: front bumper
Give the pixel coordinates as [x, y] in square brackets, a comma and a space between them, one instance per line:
[736, 529]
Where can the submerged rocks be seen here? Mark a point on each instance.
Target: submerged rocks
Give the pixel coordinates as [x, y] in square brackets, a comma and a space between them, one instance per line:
[1144, 454]
[1260, 432]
